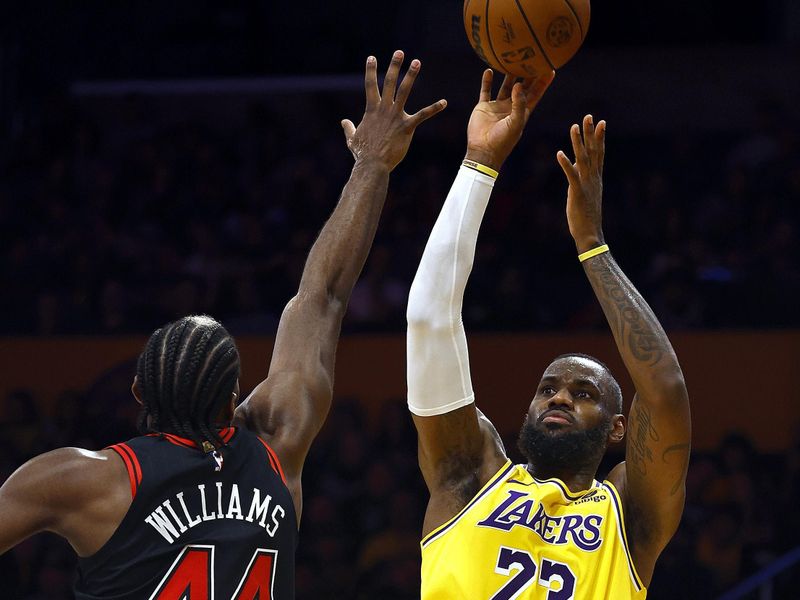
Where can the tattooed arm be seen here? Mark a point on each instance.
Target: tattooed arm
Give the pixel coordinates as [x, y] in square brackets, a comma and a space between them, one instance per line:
[651, 480]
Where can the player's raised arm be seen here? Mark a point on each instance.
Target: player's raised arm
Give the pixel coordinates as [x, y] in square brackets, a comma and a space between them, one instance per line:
[458, 448]
[290, 406]
[651, 480]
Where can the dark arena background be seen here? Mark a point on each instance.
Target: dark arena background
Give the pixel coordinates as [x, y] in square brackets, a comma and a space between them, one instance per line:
[165, 158]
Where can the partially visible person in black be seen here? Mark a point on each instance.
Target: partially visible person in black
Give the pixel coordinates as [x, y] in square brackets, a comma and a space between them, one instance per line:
[206, 503]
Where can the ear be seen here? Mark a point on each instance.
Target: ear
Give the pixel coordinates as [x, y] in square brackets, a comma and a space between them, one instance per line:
[231, 408]
[135, 389]
[619, 425]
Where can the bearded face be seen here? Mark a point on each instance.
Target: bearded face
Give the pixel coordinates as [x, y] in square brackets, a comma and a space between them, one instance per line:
[557, 448]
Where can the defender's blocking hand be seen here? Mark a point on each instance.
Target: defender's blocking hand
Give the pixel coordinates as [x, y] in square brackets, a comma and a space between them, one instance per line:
[385, 131]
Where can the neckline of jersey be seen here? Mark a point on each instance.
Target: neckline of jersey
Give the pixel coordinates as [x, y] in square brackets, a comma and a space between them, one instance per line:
[226, 433]
[568, 494]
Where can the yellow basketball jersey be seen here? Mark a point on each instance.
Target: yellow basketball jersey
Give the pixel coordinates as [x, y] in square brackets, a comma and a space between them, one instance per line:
[523, 538]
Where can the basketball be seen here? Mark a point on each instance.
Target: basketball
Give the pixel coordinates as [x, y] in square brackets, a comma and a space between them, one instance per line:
[526, 37]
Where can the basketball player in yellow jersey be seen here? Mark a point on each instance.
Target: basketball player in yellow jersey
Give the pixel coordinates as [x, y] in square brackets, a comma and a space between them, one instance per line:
[547, 529]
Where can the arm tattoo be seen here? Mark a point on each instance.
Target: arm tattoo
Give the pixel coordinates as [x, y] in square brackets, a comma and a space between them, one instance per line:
[683, 449]
[631, 320]
[639, 451]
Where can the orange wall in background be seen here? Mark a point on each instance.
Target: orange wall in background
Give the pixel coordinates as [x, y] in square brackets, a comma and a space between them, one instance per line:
[737, 381]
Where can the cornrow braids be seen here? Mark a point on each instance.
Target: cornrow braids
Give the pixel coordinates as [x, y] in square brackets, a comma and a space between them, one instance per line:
[150, 385]
[187, 373]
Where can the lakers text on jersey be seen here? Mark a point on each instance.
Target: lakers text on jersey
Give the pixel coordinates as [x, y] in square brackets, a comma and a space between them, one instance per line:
[523, 538]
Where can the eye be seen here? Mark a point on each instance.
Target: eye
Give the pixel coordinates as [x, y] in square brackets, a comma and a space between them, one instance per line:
[583, 394]
[547, 390]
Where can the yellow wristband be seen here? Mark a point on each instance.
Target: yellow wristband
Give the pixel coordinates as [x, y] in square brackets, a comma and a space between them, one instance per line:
[593, 252]
[481, 168]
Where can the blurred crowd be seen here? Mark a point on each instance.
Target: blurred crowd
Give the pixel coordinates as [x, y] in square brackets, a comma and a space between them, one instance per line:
[365, 499]
[118, 216]
[118, 229]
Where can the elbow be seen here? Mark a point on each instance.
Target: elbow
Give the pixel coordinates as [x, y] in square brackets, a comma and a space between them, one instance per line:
[437, 292]
[419, 310]
[421, 322]
[673, 388]
[418, 315]
[428, 316]
[676, 384]
[425, 313]
[315, 302]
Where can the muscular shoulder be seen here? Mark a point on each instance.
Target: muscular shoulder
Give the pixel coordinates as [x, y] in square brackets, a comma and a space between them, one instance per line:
[67, 476]
[78, 494]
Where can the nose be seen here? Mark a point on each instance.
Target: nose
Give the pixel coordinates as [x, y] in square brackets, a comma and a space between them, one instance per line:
[561, 399]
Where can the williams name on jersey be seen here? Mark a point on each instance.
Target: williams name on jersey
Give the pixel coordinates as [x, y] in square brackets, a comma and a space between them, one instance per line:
[219, 504]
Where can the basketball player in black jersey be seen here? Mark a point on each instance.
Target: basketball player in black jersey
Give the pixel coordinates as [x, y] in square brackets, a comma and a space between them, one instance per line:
[206, 504]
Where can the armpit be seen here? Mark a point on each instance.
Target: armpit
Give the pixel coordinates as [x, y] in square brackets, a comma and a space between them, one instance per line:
[459, 476]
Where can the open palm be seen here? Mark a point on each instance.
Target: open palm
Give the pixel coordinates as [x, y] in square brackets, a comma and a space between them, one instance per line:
[496, 126]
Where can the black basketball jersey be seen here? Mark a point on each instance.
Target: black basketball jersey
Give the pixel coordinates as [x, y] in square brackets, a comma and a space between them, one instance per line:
[199, 527]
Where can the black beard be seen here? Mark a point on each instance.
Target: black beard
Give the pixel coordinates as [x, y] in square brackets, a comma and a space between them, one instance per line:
[563, 451]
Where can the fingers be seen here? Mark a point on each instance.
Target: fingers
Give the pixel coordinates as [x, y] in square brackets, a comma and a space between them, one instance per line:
[518, 112]
[486, 86]
[594, 139]
[600, 135]
[407, 83]
[349, 130]
[371, 83]
[588, 134]
[537, 89]
[390, 81]
[426, 113]
[505, 89]
[569, 169]
[581, 158]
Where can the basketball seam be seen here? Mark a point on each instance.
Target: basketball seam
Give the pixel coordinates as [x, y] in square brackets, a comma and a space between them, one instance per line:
[577, 18]
[533, 33]
[489, 36]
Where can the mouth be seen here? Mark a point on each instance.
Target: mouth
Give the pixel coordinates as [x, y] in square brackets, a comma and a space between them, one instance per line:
[556, 417]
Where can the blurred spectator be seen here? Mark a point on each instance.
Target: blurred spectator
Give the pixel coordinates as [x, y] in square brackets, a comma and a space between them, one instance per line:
[118, 226]
[364, 502]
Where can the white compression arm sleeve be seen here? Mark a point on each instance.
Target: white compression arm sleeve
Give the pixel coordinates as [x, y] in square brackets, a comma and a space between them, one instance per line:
[436, 345]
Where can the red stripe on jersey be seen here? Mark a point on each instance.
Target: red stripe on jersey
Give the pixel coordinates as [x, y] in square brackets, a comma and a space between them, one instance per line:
[273, 460]
[269, 456]
[128, 467]
[226, 434]
[179, 441]
[137, 468]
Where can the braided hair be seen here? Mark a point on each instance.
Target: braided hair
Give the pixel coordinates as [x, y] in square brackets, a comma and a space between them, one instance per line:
[187, 373]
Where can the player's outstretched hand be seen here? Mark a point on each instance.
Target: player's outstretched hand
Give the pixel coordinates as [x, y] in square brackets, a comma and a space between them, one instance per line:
[385, 131]
[496, 126]
[585, 177]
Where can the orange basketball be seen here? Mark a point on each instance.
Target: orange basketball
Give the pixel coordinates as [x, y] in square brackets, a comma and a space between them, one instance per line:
[526, 37]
